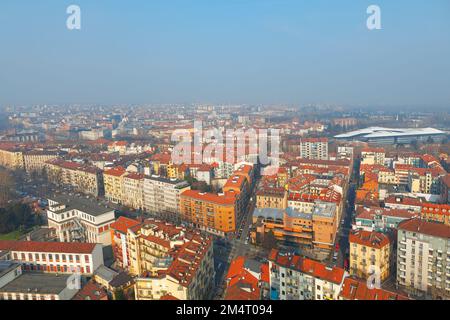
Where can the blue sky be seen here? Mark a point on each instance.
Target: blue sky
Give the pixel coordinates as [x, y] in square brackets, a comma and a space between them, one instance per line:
[225, 51]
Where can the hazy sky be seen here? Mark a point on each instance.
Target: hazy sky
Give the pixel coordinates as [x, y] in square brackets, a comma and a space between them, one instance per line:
[225, 51]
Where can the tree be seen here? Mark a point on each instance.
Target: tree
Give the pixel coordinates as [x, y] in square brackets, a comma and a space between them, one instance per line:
[16, 216]
[7, 185]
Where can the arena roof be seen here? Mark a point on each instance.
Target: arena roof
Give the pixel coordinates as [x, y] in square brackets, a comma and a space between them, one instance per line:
[380, 132]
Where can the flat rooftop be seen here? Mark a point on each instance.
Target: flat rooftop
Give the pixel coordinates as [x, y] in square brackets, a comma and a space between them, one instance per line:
[88, 206]
[174, 182]
[279, 213]
[324, 209]
[41, 283]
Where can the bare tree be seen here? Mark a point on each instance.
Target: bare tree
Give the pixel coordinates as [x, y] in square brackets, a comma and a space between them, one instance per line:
[7, 187]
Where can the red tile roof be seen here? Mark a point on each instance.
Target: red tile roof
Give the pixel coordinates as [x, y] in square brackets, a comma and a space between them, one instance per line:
[57, 247]
[353, 289]
[209, 197]
[439, 209]
[425, 227]
[122, 224]
[375, 240]
[91, 291]
[117, 172]
[311, 267]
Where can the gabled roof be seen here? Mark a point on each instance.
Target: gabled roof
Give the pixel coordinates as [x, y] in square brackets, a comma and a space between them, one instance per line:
[429, 228]
[56, 247]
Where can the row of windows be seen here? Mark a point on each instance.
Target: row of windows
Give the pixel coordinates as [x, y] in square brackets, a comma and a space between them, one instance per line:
[56, 268]
[50, 257]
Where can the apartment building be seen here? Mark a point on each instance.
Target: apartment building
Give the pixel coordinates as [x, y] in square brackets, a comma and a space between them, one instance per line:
[373, 156]
[214, 213]
[119, 241]
[370, 254]
[80, 219]
[34, 161]
[424, 181]
[293, 277]
[423, 258]
[83, 178]
[325, 225]
[169, 260]
[275, 198]
[238, 185]
[162, 196]
[445, 189]
[54, 257]
[133, 190]
[314, 148]
[113, 184]
[11, 157]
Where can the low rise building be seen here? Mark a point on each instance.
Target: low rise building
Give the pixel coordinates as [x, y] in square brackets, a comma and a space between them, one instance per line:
[54, 257]
[38, 286]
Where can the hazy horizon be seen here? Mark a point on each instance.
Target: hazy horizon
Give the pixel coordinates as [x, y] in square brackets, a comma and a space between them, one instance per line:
[227, 52]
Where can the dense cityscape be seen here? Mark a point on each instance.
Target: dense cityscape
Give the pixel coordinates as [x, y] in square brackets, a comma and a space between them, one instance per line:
[357, 207]
[225, 158]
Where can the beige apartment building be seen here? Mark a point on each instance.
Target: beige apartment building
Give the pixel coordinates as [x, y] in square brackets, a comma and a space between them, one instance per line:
[11, 158]
[35, 161]
[373, 156]
[275, 198]
[82, 178]
[370, 252]
[113, 184]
